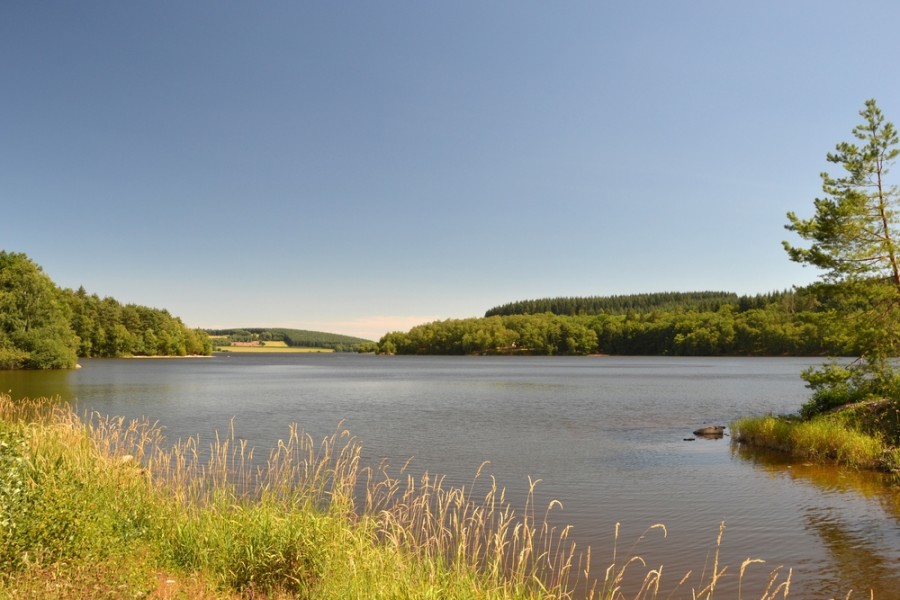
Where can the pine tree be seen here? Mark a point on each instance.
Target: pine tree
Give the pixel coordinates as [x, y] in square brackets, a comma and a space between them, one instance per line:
[853, 238]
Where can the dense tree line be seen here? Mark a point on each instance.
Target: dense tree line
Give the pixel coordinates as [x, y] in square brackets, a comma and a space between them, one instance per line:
[300, 338]
[318, 339]
[774, 330]
[638, 303]
[45, 327]
[107, 328]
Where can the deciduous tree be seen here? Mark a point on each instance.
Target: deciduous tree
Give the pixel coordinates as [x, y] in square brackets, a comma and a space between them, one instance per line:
[34, 320]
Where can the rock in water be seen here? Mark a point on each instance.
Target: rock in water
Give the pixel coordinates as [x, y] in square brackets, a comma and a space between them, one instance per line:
[712, 430]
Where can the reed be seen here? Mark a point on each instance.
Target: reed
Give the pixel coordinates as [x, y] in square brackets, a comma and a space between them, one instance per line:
[107, 508]
[826, 437]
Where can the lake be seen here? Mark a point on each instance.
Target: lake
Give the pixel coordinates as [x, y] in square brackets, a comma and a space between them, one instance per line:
[605, 435]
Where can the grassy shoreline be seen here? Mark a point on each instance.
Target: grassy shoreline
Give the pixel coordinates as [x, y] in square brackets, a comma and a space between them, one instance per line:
[105, 509]
[861, 435]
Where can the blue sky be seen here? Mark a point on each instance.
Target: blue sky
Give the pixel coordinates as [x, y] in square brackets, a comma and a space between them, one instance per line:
[360, 167]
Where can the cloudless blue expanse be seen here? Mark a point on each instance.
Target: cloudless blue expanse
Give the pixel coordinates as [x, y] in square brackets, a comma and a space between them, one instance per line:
[359, 167]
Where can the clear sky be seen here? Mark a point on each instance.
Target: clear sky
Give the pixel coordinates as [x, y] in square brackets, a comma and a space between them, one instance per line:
[360, 167]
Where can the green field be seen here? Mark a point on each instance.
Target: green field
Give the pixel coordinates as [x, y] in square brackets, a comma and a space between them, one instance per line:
[269, 347]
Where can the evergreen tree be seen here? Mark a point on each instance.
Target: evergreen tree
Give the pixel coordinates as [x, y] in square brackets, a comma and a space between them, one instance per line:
[853, 239]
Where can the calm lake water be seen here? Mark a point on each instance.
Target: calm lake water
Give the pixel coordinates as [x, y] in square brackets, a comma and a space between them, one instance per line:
[605, 435]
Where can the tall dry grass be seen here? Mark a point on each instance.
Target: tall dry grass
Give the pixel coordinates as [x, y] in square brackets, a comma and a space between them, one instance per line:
[310, 520]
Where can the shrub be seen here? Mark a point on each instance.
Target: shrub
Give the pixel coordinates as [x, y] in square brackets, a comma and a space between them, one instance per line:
[833, 385]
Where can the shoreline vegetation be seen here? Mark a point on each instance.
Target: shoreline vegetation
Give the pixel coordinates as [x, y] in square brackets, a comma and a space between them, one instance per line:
[862, 435]
[104, 508]
[43, 326]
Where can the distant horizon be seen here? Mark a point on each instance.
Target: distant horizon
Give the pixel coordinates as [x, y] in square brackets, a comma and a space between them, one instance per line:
[382, 324]
[377, 323]
[250, 327]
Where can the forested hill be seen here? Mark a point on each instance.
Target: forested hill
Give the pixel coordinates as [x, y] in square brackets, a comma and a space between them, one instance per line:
[638, 303]
[295, 338]
[795, 323]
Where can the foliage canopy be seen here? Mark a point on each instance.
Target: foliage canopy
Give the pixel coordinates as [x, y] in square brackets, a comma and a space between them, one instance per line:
[34, 318]
[633, 303]
[786, 323]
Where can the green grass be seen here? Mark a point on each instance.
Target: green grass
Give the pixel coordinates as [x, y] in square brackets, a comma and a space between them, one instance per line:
[104, 508]
[270, 349]
[855, 436]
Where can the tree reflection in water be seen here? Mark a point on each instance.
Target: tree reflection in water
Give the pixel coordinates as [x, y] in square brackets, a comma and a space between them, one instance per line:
[857, 538]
